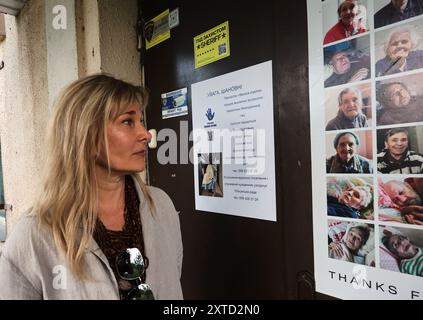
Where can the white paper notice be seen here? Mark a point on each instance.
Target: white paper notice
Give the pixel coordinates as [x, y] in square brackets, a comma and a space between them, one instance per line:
[233, 154]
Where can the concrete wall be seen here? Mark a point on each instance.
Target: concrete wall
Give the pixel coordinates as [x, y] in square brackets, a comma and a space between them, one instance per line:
[88, 40]
[23, 106]
[118, 39]
[105, 41]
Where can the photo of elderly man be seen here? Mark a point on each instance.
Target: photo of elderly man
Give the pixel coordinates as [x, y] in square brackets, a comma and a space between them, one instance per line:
[349, 107]
[401, 50]
[347, 62]
[391, 11]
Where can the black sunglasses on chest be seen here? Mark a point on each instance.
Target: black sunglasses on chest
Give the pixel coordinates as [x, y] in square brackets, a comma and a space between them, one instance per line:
[130, 266]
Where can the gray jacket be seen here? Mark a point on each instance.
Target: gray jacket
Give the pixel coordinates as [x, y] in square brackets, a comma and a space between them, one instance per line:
[342, 122]
[31, 267]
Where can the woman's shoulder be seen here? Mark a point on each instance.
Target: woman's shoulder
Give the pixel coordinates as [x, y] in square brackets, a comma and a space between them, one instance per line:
[159, 195]
[161, 199]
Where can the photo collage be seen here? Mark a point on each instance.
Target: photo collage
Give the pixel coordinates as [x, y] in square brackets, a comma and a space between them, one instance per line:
[373, 89]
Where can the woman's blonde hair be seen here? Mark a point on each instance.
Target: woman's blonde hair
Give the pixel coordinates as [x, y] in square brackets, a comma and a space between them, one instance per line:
[68, 201]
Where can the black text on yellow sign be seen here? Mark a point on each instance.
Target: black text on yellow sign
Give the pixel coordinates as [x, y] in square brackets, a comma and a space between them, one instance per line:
[212, 45]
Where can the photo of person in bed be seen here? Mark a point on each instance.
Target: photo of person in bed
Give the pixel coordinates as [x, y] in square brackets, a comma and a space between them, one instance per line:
[352, 242]
[400, 250]
[400, 200]
[350, 197]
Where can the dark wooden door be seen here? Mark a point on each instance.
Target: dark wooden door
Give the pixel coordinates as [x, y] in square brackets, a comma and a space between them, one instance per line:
[228, 257]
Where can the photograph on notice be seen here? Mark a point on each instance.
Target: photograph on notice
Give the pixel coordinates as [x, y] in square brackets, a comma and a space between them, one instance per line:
[343, 19]
[393, 11]
[399, 49]
[400, 200]
[400, 250]
[400, 100]
[349, 107]
[400, 150]
[350, 197]
[349, 152]
[347, 62]
[351, 242]
[210, 174]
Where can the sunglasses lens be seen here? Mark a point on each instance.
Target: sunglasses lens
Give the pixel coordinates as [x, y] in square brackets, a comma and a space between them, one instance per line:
[130, 264]
[142, 292]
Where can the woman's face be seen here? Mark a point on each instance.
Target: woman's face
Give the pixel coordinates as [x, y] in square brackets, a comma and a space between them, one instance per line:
[346, 147]
[397, 96]
[355, 239]
[403, 247]
[350, 105]
[397, 144]
[399, 46]
[127, 139]
[352, 197]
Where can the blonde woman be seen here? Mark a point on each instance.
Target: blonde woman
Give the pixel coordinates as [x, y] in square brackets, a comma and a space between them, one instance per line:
[96, 231]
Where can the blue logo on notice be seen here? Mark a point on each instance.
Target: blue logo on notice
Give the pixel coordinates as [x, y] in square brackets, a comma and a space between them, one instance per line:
[209, 114]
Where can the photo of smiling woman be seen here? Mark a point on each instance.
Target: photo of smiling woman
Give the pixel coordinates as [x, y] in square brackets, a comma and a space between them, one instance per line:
[353, 152]
[399, 150]
[96, 231]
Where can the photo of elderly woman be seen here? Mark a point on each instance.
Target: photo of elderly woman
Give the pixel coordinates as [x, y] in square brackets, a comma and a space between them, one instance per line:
[400, 100]
[351, 242]
[353, 152]
[349, 107]
[399, 49]
[350, 197]
[400, 250]
[400, 200]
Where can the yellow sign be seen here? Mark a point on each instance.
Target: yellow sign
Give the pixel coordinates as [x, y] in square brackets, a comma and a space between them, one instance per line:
[212, 45]
[157, 29]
